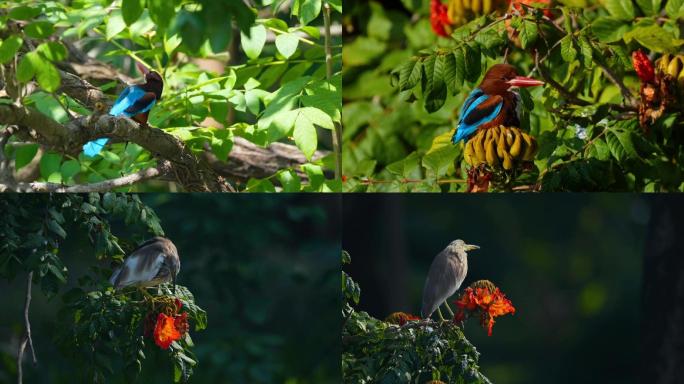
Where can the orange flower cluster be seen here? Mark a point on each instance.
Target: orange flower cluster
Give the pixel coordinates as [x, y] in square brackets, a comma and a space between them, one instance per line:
[439, 18]
[168, 326]
[401, 318]
[490, 305]
[643, 66]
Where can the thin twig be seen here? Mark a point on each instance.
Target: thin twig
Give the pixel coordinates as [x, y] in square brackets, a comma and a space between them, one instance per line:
[547, 78]
[27, 339]
[337, 134]
[102, 186]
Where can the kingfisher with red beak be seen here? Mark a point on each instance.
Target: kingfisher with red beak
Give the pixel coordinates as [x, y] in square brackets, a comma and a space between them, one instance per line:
[134, 102]
[494, 102]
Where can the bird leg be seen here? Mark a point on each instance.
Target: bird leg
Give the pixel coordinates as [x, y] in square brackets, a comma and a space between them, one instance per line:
[439, 313]
[451, 313]
[144, 292]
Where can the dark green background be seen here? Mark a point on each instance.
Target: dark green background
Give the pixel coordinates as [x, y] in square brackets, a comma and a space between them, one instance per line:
[571, 264]
[265, 268]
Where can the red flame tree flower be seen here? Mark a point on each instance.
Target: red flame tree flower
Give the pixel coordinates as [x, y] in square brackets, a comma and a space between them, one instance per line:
[485, 298]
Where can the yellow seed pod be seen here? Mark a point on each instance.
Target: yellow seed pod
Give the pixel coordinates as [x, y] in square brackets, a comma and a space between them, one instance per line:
[478, 145]
[662, 62]
[516, 147]
[469, 153]
[507, 161]
[530, 147]
[675, 66]
[492, 158]
[501, 144]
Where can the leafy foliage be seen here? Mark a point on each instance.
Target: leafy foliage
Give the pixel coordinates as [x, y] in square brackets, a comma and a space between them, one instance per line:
[100, 327]
[265, 92]
[377, 351]
[404, 87]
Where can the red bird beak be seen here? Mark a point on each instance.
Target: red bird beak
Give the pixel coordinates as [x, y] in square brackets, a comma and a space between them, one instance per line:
[522, 81]
[141, 68]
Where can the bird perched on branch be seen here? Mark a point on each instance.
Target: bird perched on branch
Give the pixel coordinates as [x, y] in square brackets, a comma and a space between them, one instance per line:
[493, 102]
[135, 102]
[154, 262]
[447, 272]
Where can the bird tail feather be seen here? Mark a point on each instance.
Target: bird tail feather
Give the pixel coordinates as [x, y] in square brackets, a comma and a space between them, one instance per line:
[93, 148]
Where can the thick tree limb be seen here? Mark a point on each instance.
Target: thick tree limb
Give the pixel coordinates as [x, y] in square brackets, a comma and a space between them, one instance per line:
[27, 339]
[248, 160]
[191, 172]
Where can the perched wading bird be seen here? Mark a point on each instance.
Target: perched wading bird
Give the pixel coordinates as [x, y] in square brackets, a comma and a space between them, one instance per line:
[135, 102]
[154, 262]
[493, 102]
[447, 272]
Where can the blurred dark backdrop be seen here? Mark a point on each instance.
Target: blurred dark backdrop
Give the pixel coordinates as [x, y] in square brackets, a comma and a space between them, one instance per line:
[571, 264]
[264, 267]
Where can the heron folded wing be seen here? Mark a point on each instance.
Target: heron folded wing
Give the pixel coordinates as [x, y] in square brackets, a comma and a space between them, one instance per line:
[140, 268]
[440, 284]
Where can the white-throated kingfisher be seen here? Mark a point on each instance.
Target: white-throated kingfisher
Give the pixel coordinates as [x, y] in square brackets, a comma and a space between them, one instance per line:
[494, 102]
[135, 102]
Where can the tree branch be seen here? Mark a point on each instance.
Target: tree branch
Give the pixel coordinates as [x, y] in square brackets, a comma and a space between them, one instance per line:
[102, 186]
[27, 339]
[548, 79]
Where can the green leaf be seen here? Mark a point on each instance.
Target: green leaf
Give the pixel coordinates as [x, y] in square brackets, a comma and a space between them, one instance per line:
[25, 69]
[655, 38]
[409, 74]
[9, 48]
[459, 74]
[649, 7]
[305, 136]
[48, 76]
[115, 24]
[587, 52]
[675, 9]
[161, 12]
[70, 168]
[568, 51]
[620, 9]
[528, 33]
[131, 10]
[621, 144]
[609, 29]
[254, 43]
[39, 29]
[287, 44]
[52, 50]
[450, 74]
[290, 181]
[318, 117]
[49, 164]
[441, 155]
[435, 90]
[472, 62]
[309, 10]
[23, 13]
[24, 154]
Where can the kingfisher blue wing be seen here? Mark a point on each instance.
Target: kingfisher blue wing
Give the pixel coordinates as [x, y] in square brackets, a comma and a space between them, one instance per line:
[92, 148]
[127, 99]
[142, 105]
[478, 109]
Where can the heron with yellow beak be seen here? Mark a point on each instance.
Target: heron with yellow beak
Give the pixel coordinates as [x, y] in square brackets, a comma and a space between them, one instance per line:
[447, 272]
[154, 262]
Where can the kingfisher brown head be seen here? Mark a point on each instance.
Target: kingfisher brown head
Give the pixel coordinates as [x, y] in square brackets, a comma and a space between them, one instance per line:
[501, 78]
